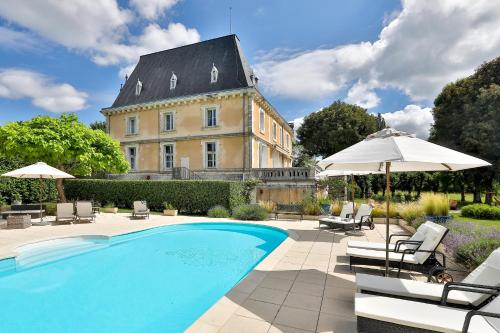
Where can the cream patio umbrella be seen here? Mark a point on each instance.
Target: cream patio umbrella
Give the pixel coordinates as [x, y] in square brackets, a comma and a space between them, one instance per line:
[396, 151]
[41, 171]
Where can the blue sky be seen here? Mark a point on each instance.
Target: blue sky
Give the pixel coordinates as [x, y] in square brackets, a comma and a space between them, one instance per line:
[389, 56]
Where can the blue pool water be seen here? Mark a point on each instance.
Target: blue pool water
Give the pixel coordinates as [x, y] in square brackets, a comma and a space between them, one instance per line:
[159, 280]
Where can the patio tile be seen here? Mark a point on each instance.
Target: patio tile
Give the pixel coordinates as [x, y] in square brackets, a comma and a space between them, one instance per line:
[312, 276]
[201, 327]
[217, 315]
[307, 289]
[328, 323]
[297, 318]
[244, 325]
[274, 283]
[269, 295]
[286, 329]
[307, 302]
[258, 310]
[341, 293]
[284, 274]
[337, 307]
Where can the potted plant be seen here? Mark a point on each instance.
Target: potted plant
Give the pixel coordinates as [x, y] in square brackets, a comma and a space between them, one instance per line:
[169, 209]
[16, 199]
[110, 208]
[325, 204]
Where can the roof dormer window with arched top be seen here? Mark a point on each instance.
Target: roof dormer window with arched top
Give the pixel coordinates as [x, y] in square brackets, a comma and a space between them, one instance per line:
[173, 81]
[214, 74]
[138, 88]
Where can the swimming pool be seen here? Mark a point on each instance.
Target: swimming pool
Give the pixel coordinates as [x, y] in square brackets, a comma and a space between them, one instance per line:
[158, 280]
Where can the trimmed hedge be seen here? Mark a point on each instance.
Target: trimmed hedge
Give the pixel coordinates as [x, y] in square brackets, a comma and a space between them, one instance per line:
[188, 196]
[481, 211]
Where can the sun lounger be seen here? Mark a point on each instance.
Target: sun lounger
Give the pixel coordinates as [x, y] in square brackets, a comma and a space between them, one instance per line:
[363, 217]
[476, 289]
[413, 242]
[380, 314]
[345, 214]
[84, 211]
[140, 209]
[65, 213]
[421, 259]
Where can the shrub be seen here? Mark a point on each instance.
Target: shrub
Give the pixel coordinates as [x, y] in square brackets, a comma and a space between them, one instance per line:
[410, 211]
[475, 252]
[434, 204]
[188, 196]
[168, 206]
[109, 205]
[336, 208]
[481, 211]
[218, 212]
[250, 213]
[380, 210]
[310, 206]
[269, 205]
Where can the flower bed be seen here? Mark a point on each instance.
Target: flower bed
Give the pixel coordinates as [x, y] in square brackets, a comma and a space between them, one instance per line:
[470, 243]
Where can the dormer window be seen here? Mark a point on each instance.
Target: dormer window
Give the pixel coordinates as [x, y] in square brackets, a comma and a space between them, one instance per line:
[214, 74]
[138, 88]
[173, 81]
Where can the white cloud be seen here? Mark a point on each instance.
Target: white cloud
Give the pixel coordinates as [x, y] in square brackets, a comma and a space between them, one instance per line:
[361, 95]
[14, 40]
[426, 45]
[43, 92]
[412, 119]
[154, 38]
[152, 9]
[98, 27]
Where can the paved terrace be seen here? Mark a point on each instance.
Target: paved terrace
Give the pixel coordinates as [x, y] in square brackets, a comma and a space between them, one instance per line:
[303, 286]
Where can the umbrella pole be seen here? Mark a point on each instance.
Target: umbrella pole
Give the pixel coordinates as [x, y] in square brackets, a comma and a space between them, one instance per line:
[387, 203]
[352, 189]
[41, 190]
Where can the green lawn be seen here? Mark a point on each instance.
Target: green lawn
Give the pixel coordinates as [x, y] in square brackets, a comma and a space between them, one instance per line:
[487, 223]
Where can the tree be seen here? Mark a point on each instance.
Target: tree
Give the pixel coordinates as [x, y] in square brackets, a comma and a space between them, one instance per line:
[334, 128]
[300, 158]
[467, 118]
[98, 124]
[63, 143]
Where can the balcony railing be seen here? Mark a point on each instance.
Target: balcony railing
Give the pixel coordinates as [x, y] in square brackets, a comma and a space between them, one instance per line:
[276, 174]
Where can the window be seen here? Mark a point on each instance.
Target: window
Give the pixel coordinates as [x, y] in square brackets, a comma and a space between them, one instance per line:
[262, 119]
[287, 142]
[138, 88]
[211, 117]
[275, 128]
[132, 125]
[281, 136]
[214, 74]
[132, 157]
[211, 151]
[173, 81]
[168, 121]
[168, 156]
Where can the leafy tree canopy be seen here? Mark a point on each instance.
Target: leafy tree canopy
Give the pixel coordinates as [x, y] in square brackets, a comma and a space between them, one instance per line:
[98, 124]
[336, 127]
[64, 143]
[467, 118]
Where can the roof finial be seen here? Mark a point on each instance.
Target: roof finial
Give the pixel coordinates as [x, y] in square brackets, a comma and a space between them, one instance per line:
[126, 77]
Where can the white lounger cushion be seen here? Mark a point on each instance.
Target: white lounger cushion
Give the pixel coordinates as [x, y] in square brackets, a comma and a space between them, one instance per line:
[488, 274]
[346, 209]
[422, 315]
[371, 254]
[84, 208]
[407, 288]
[64, 210]
[140, 206]
[419, 236]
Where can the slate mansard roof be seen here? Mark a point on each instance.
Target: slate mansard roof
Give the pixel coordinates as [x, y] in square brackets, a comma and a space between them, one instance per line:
[192, 64]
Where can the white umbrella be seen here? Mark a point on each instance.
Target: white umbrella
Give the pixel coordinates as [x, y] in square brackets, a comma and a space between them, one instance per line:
[41, 171]
[396, 151]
